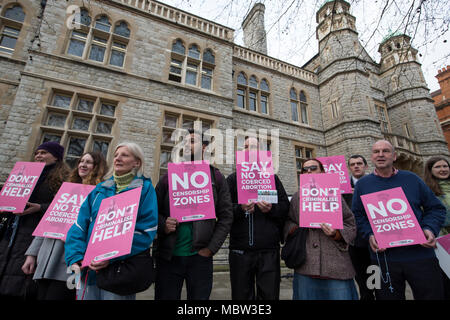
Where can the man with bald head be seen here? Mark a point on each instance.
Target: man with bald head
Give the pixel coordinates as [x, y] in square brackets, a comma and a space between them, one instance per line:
[416, 264]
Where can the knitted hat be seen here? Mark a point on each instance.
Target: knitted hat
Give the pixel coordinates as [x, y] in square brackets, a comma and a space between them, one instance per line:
[54, 148]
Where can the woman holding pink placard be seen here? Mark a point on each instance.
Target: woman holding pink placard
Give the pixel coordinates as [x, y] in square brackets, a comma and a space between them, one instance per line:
[126, 173]
[45, 256]
[327, 273]
[18, 236]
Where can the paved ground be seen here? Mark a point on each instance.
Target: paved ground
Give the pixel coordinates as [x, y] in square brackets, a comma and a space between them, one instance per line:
[222, 290]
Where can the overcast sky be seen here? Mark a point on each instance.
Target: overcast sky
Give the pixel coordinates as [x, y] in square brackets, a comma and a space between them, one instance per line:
[291, 26]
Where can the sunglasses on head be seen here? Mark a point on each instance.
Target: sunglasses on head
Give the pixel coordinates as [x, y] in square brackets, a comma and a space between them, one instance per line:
[312, 168]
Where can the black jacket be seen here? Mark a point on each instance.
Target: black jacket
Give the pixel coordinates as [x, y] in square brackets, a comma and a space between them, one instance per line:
[209, 233]
[348, 198]
[267, 227]
[13, 282]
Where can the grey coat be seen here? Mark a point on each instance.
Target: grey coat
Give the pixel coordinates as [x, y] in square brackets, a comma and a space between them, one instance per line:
[50, 259]
[325, 257]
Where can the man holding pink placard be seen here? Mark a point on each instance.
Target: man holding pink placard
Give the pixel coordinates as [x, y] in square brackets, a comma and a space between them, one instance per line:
[190, 191]
[255, 235]
[184, 248]
[403, 257]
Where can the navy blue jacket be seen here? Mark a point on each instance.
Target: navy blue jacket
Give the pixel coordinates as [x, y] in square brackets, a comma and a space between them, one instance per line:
[428, 209]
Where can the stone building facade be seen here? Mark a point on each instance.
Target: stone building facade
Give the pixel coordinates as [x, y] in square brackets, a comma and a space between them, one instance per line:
[91, 74]
[441, 100]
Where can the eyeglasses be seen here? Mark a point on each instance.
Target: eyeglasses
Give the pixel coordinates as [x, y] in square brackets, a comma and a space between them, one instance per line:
[312, 168]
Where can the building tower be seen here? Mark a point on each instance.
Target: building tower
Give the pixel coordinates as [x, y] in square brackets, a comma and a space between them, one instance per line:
[344, 70]
[408, 100]
[254, 30]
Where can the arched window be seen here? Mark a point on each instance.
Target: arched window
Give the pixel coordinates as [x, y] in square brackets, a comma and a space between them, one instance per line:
[264, 86]
[176, 63]
[208, 56]
[253, 82]
[97, 43]
[303, 107]
[252, 95]
[15, 13]
[10, 28]
[208, 66]
[194, 52]
[102, 23]
[294, 105]
[122, 29]
[185, 69]
[242, 79]
[179, 47]
[241, 90]
[299, 106]
[119, 44]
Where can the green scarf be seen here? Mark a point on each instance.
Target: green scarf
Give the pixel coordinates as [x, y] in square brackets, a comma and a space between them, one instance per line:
[123, 181]
[445, 187]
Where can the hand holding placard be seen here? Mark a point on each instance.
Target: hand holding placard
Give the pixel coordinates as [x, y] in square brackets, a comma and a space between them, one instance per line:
[392, 220]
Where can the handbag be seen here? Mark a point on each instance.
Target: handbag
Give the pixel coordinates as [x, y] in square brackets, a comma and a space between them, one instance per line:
[294, 250]
[132, 275]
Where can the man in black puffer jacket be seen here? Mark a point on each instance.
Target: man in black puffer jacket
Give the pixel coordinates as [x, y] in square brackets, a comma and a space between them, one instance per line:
[255, 238]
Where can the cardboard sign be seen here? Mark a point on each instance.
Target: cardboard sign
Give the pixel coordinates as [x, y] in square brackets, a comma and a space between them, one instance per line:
[254, 172]
[63, 211]
[20, 184]
[443, 253]
[320, 201]
[337, 164]
[112, 234]
[392, 220]
[190, 191]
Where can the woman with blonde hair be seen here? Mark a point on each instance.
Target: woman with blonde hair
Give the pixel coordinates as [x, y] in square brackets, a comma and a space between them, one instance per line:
[126, 173]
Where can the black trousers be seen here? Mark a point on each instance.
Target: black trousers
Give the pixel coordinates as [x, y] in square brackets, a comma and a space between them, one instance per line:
[360, 257]
[260, 268]
[196, 270]
[423, 276]
[54, 290]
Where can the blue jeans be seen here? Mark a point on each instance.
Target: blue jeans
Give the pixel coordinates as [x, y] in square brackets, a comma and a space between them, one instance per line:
[307, 288]
[93, 292]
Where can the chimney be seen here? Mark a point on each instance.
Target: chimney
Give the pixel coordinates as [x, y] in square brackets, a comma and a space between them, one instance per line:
[254, 31]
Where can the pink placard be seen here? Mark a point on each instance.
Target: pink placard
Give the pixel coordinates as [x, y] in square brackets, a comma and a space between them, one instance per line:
[337, 164]
[112, 234]
[320, 201]
[254, 171]
[190, 191]
[20, 184]
[444, 241]
[63, 211]
[392, 220]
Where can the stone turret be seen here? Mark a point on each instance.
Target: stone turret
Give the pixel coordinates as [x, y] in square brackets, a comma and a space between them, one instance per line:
[395, 49]
[254, 30]
[334, 16]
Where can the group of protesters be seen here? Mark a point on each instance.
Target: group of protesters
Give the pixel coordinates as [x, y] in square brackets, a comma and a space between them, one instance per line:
[39, 268]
